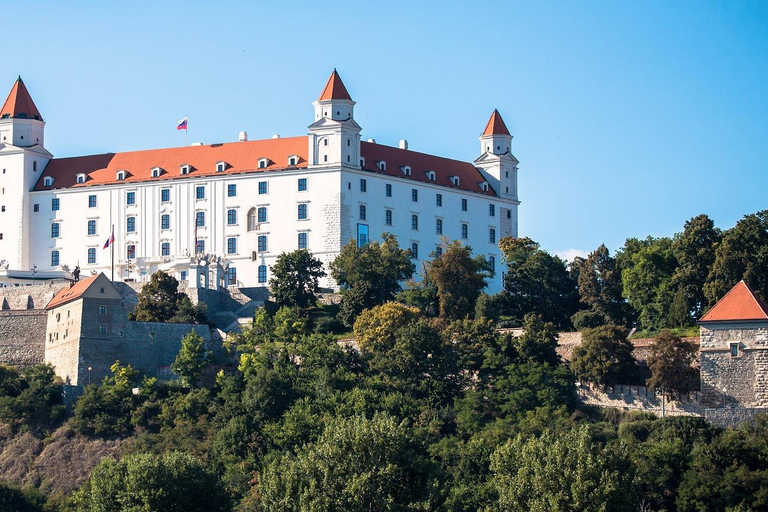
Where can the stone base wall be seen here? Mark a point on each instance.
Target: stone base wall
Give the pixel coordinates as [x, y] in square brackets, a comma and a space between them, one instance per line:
[35, 296]
[22, 337]
[733, 417]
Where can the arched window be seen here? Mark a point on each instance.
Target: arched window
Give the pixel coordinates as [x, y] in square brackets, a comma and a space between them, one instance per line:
[252, 219]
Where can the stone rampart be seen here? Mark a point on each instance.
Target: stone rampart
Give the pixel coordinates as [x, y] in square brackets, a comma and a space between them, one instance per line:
[732, 417]
[28, 297]
[22, 337]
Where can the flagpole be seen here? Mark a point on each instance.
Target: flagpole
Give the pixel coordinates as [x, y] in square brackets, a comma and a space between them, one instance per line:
[112, 235]
[186, 129]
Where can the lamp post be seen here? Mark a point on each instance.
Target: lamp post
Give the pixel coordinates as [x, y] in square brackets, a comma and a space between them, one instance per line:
[724, 395]
[34, 273]
[89, 375]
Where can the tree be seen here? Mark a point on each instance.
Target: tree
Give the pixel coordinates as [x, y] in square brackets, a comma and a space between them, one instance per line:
[559, 472]
[295, 279]
[537, 282]
[173, 481]
[370, 275]
[647, 280]
[741, 254]
[695, 250]
[375, 328]
[670, 363]
[105, 410]
[191, 359]
[604, 357]
[600, 286]
[459, 279]
[160, 301]
[31, 398]
[357, 464]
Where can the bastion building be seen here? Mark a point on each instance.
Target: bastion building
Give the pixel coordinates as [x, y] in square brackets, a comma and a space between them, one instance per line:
[221, 213]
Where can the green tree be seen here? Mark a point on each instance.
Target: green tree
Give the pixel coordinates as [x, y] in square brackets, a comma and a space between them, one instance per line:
[670, 364]
[295, 279]
[537, 282]
[459, 279]
[160, 301]
[357, 464]
[31, 398]
[370, 275]
[604, 357]
[146, 482]
[105, 410]
[695, 250]
[191, 359]
[600, 286]
[741, 254]
[375, 328]
[559, 472]
[647, 281]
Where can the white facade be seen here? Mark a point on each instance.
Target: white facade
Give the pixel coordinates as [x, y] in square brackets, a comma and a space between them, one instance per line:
[60, 215]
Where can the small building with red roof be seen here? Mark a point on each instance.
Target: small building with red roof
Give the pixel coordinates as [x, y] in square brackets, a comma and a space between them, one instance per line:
[734, 350]
[219, 214]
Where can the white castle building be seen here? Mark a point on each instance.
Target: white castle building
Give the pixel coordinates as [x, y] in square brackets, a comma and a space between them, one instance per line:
[222, 213]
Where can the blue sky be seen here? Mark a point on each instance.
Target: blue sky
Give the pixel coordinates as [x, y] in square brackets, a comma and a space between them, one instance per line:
[629, 118]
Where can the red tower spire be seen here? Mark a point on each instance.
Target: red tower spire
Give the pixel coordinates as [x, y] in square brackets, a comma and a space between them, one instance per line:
[19, 103]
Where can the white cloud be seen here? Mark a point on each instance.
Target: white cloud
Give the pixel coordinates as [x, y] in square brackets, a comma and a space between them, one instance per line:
[569, 254]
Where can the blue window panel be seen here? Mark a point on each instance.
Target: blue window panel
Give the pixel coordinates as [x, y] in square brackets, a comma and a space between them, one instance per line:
[388, 217]
[200, 192]
[91, 227]
[439, 226]
[130, 198]
[262, 243]
[231, 217]
[55, 204]
[165, 221]
[414, 222]
[439, 200]
[200, 246]
[262, 187]
[231, 190]
[415, 251]
[362, 235]
[200, 219]
[463, 205]
[302, 211]
[492, 210]
[302, 184]
[91, 255]
[302, 240]
[231, 275]
[388, 190]
[91, 201]
[54, 258]
[165, 195]
[262, 214]
[130, 224]
[55, 232]
[414, 195]
[131, 252]
[362, 212]
[464, 231]
[363, 185]
[231, 245]
[165, 249]
[262, 273]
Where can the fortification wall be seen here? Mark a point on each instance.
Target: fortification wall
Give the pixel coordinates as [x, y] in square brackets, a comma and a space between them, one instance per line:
[22, 337]
[28, 297]
[733, 417]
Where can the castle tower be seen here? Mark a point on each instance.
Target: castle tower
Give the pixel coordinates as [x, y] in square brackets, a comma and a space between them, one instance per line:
[496, 161]
[334, 137]
[22, 160]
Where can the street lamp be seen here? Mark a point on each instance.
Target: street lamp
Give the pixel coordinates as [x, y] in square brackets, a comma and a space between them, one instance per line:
[89, 375]
[724, 395]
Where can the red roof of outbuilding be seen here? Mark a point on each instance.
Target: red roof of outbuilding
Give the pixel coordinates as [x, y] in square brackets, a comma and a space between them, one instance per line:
[420, 163]
[240, 157]
[334, 89]
[495, 125]
[71, 293]
[19, 103]
[740, 303]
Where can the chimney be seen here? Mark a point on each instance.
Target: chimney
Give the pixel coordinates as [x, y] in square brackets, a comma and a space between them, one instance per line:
[372, 141]
[276, 136]
[243, 137]
[403, 144]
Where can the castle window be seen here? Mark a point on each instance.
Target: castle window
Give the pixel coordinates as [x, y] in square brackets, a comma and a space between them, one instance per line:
[91, 201]
[232, 190]
[302, 211]
[438, 251]
[302, 184]
[293, 160]
[184, 169]
[120, 176]
[302, 240]
[165, 195]
[165, 249]
[415, 251]
[414, 195]
[262, 273]
[130, 252]
[438, 226]
[362, 235]
[415, 222]
[34, 163]
[55, 204]
[492, 236]
[263, 162]
[509, 214]
[382, 165]
[55, 231]
[165, 221]
[156, 172]
[492, 263]
[362, 162]
[484, 186]
[231, 245]
[221, 166]
[102, 310]
[91, 255]
[91, 227]
[262, 214]
[406, 170]
[492, 210]
[231, 276]
[464, 231]
[455, 180]
[231, 217]
[200, 219]
[252, 218]
[183, 275]
[54, 258]
[262, 243]
[438, 199]
[431, 175]
[388, 190]
[362, 212]
[81, 178]
[262, 187]
[36, 207]
[200, 246]
[199, 192]
[463, 205]
[325, 142]
[47, 181]
[130, 198]
[130, 224]
[388, 217]
[734, 350]
[363, 185]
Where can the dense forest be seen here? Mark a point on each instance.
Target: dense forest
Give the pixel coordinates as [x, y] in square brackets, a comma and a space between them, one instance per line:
[433, 408]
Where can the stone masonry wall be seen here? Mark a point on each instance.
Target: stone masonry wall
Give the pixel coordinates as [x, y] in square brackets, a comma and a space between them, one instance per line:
[28, 297]
[22, 337]
[732, 417]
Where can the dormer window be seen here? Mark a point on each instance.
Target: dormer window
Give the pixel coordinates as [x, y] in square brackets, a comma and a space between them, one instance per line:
[263, 163]
[156, 171]
[120, 175]
[484, 186]
[382, 165]
[406, 170]
[362, 162]
[455, 180]
[47, 181]
[431, 175]
[221, 166]
[293, 160]
[185, 169]
[81, 178]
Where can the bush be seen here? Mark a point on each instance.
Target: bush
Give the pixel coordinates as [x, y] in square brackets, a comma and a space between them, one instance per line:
[587, 319]
[326, 324]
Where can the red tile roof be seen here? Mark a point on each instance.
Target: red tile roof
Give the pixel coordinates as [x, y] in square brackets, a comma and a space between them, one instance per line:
[74, 292]
[334, 89]
[495, 125]
[740, 303]
[19, 103]
[240, 157]
[420, 163]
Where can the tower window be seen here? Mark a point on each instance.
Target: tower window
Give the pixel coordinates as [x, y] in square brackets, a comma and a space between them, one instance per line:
[414, 195]
[54, 258]
[130, 224]
[47, 181]
[463, 205]
[362, 212]
[388, 217]
[262, 214]
[262, 273]
[92, 259]
[415, 251]
[464, 231]
[438, 199]
[492, 210]
[388, 190]
[165, 249]
[302, 240]
[165, 221]
[91, 201]
[438, 226]
[200, 192]
[200, 219]
[415, 222]
[231, 245]
[55, 204]
[492, 263]
[231, 190]
[34, 163]
[302, 211]
[221, 166]
[81, 178]
[165, 195]
[262, 243]
[734, 349]
[55, 230]
[91, 227]
[363, 185]
[130, 198]
[492, 236]
[231, 217]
